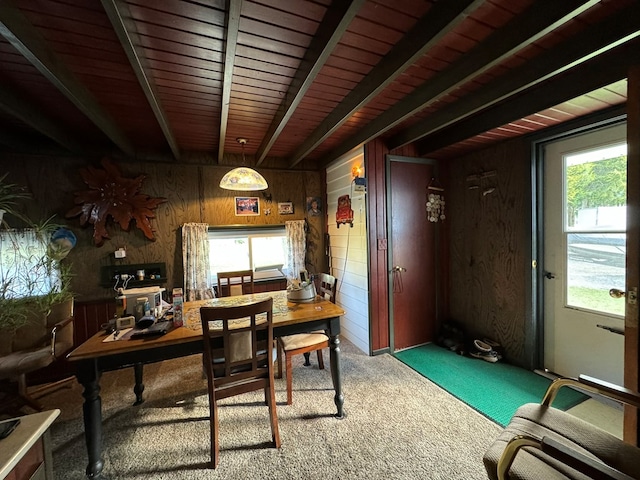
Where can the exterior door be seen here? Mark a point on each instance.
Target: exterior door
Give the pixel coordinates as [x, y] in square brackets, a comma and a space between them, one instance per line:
[412, 278]
[585, 253]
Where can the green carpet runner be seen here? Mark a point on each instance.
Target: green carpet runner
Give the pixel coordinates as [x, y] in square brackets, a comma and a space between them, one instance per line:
[494, 389]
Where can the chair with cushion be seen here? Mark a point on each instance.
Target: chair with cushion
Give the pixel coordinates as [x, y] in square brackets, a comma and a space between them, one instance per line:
[544, 442]
[235, 283]
[305, 343]
[29, 356]
[238, 358]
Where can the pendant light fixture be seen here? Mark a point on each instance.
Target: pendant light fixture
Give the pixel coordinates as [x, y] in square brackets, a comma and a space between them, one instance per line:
[243, 178]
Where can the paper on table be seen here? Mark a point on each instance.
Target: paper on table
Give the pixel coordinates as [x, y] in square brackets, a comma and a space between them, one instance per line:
[117, 335]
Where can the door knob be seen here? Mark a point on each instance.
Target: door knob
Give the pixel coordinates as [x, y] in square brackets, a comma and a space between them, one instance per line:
[631, 294]
[615, 293]
[398, 268]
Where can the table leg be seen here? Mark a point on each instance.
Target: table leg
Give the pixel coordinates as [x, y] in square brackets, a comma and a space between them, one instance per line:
[139, 386]
[334, 356]
[89, 376]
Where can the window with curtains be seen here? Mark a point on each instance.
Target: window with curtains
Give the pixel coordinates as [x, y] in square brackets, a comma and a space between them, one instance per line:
[24, 270]
[260, 249]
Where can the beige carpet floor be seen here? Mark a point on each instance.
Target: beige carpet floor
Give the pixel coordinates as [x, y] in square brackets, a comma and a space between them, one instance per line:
[399, 425]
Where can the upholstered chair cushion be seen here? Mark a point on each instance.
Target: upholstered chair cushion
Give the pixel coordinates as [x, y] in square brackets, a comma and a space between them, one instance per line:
[540, 421]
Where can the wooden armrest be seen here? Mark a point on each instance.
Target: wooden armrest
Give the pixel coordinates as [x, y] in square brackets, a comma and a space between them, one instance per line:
[572, 458]
[625, 395]
[63, 323]
[594, 385]
[581, 462]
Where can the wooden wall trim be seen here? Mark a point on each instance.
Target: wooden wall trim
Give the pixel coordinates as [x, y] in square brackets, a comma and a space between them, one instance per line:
[631, 334]
[374, 157]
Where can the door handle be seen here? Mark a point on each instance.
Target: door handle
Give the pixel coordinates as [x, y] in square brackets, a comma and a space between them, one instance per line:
[549, 275]
[632, 294]
[615, 293]
[398, 287]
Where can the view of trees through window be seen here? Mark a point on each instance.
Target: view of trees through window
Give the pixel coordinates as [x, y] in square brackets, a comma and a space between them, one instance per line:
[595, 225]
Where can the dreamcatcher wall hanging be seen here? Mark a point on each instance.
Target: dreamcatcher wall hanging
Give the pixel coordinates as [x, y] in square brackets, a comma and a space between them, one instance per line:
[435, 202]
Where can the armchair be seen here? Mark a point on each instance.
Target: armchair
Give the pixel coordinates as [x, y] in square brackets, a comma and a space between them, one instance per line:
[544, 442]
[17, 364]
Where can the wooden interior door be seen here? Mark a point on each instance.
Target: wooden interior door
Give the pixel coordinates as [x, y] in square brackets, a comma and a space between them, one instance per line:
[412, 263]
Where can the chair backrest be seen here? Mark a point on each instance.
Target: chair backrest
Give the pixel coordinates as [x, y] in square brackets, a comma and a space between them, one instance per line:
[238, 342]
[327, 286]
[235, 283]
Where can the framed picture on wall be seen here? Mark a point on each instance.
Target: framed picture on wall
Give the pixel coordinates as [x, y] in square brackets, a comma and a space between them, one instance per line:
[314, 206]
[285, 208]
[247, 206]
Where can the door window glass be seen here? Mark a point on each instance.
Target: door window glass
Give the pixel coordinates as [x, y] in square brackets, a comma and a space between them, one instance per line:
[595, 226]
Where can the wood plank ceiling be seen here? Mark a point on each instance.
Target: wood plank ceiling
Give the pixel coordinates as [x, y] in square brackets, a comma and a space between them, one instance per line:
[304, 81]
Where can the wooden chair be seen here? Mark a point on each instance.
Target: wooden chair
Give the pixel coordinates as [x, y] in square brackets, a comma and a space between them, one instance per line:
[245, 285]
[238, 358]
[305, 343]
[541, 441]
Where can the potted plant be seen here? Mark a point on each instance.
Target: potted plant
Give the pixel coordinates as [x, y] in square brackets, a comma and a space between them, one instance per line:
[35, 288]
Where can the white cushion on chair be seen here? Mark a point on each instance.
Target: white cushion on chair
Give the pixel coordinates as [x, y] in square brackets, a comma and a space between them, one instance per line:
[301, 340]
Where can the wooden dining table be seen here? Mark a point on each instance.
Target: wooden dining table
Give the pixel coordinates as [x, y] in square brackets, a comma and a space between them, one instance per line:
[97, 355]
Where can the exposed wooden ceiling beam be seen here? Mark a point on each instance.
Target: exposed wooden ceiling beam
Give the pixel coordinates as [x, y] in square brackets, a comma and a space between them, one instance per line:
[329, 32]
[121, 19]
[12, 103]
[438, 21]
[27, 40]
[587, 77]
[232, 27]
[595, 40]
[539, 19]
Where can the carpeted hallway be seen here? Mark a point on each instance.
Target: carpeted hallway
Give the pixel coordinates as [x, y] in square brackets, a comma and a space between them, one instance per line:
[399, 425]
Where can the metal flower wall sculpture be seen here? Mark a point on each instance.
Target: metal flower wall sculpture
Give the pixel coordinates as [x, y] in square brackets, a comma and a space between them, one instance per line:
[112, 195]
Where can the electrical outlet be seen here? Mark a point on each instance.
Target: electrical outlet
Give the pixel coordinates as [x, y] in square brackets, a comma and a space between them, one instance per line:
[120, 253]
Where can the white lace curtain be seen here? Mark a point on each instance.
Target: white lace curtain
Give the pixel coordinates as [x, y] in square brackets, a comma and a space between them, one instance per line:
[296, 248]
[195, 260]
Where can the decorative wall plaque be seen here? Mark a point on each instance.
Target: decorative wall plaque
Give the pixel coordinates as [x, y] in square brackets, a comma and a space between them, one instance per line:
[112, 195]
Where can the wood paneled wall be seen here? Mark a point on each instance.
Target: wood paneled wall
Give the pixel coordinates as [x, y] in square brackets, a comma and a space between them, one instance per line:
[348, 250]
[489, 217]
[192, 195]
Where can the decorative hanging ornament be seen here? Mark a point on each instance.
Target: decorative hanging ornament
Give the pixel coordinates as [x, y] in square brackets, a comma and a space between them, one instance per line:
[435, 202]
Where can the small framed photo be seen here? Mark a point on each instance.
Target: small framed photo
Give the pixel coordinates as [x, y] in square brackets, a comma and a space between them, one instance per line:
[247, 206]
[314, 206]
[285, 208]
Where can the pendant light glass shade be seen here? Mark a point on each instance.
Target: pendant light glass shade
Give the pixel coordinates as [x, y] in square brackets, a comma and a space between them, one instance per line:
[243, 179]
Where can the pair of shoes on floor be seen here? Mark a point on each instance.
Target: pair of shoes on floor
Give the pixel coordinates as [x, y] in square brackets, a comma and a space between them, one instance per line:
[484, 350]
[495, 346]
